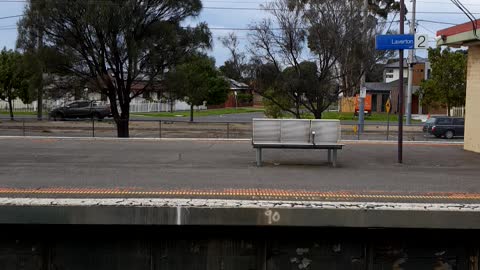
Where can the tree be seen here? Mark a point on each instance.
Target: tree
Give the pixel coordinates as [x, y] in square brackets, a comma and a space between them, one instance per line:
[30, 41]
[13, 79]
[197, 82]
[230, 70]
[380, 8]
[359, 55]
[233, 67]
[115, 44]
[310, 53]
[447, 84]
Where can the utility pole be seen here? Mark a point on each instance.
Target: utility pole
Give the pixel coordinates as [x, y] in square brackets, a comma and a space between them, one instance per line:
[410, 66]
[40, 87]
[400, 85]
[361, 99]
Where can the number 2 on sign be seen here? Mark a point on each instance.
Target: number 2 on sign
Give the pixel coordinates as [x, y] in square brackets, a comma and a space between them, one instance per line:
[421, 41]
[272, 216]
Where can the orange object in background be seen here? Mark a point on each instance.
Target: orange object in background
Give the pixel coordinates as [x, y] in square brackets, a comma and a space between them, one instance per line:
[368, 104]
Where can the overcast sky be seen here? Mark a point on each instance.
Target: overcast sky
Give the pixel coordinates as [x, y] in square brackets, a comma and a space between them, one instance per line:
[216, 17]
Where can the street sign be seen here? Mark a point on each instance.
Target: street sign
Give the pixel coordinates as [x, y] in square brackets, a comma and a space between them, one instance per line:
[388, 106]
[363, 92]
[401, 42]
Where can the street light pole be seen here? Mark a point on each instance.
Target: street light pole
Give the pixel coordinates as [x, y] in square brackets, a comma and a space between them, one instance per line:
[401, 92]
[361, 98]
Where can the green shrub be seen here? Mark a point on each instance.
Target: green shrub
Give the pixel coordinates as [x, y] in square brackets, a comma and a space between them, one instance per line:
[244, 98]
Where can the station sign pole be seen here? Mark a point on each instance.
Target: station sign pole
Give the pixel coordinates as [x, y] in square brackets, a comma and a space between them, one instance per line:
[401, 42]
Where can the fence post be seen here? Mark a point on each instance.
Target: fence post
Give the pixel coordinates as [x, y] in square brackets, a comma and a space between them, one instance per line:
[93, 127]
[358, 132]
[228, 130]
[160, 129]
[23, 126]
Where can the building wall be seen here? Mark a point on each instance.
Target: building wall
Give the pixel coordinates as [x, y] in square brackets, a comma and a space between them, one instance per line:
[393, 74]
[418, 73]
[347, 104]
[472, 109]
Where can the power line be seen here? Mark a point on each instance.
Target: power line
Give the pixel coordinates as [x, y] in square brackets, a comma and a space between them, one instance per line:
[242, 8]
[246, 2]
[8, 17]
[469, 14]
[427, 29]
[438, 22]
[273, 9]
[390, 26]
[445, 3]
[238, 8]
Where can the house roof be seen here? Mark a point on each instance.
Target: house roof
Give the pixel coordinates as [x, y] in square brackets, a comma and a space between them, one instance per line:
[396, 64]
[236, 85]
[383, 86]
[377, 86]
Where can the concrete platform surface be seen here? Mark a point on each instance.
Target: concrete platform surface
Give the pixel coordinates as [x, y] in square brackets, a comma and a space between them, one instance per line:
[72, 168]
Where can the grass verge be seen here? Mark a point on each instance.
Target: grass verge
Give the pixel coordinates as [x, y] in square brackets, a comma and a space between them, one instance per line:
[201, 113]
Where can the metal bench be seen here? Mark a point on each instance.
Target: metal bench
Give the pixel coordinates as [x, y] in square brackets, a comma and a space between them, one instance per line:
[297, 134]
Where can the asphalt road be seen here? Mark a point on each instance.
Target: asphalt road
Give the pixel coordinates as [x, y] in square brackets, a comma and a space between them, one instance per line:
[27, 163]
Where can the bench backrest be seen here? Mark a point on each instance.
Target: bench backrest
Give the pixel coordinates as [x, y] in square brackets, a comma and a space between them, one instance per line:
[295, 130]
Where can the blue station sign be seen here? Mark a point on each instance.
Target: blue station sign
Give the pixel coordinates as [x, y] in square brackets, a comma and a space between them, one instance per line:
[395, 42]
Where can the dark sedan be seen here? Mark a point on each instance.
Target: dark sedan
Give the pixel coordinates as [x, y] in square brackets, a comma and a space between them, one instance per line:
[81, 109]
[443, 126]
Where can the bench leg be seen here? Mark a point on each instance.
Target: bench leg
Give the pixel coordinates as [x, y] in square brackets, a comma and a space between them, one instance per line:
[259, 157]
[329, 155]
[334, 163]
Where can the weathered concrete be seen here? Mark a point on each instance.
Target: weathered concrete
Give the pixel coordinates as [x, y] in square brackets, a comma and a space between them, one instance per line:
[237, 213]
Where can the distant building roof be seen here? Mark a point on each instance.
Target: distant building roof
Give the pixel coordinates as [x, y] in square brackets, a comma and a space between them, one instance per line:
[377, 86]
[396, 64]
[383, 86]
[236, 85]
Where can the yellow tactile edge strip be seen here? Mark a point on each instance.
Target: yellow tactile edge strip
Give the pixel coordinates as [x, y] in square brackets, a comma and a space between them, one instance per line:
[239, 193]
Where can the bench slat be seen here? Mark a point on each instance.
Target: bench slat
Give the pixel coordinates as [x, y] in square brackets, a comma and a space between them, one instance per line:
[295, 131]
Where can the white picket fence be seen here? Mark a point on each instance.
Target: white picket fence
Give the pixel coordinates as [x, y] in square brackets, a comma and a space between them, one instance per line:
[18, 106]
[457, 111]
[141, 107]
[162, 107]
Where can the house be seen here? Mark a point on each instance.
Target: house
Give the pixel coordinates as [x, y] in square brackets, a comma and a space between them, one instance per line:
[381, 91]
[240, 95]
[421, 70]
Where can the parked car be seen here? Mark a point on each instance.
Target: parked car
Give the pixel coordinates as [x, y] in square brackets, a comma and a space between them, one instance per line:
[81, 109]
[443, 126]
